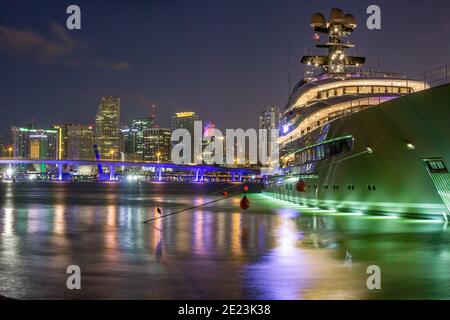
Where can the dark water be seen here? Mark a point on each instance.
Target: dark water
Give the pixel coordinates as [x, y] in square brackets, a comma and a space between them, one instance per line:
[274, 250]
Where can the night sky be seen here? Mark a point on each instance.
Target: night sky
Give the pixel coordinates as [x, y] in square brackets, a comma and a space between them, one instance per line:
[225, 59]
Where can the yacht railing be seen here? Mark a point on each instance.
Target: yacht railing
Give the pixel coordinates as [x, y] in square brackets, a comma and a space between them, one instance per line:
[360, 73]
[434, 77]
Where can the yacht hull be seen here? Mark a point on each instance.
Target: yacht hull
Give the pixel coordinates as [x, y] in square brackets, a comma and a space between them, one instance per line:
[388, 168]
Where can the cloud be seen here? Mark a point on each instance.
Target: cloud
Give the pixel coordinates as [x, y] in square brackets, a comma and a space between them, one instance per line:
[58, 48]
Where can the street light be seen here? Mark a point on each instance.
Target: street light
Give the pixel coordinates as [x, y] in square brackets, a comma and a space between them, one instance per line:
[158, 154]
[9, 172]
[112, 154]
[10, 149]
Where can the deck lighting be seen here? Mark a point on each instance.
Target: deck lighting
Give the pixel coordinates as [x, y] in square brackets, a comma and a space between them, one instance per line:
[410, 146]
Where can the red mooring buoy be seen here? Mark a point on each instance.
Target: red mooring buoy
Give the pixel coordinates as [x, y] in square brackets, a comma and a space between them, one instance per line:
[245, 203]
[301, 186]
[245, 188]
[225, 193]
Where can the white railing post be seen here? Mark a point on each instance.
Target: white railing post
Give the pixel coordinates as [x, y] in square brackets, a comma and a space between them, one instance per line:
[446, 69]
[424, 80]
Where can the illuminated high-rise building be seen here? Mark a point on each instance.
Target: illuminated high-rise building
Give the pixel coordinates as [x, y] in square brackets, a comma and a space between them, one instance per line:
[107, 131]
[269, 119]
[3, 148]
[208, 139]
[157, 144]
[80, 142]
[35, 143]
[63, 130]
[137, 134]
[128, 143]
[185, 120]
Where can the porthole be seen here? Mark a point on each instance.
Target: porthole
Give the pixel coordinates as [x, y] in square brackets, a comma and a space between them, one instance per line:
[369, 187]
[373, 187]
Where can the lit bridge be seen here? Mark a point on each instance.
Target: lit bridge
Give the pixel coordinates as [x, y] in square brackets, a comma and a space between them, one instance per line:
[198, 170]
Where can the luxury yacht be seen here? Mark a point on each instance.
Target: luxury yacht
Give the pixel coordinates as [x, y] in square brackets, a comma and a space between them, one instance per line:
[362, 141]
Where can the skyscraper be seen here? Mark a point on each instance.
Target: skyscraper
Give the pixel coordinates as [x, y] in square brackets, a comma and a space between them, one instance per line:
[35, 143]
[3, 147]
[185, 120]
[157, 145]
[208, 139]
[138, 126]
[269, 119]
[107, 133]
[80, 145]
[62, 139]
[128, 143]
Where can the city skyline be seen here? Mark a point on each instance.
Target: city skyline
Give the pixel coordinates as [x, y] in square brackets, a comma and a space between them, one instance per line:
[172, 61]
[224, 154]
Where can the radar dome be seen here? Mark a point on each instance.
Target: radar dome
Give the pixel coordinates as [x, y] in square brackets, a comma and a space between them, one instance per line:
[349, 21]
[336, 15]
[317, 20]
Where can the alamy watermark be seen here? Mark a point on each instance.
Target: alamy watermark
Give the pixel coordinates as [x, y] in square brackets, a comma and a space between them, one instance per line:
[374, 280]
[374, 20]
[237, 147]
[73, 21]
[74, 280]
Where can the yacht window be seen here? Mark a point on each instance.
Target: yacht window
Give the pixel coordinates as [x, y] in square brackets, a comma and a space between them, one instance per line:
[335, 148]
[351, 90]
[309, 155]
[320, 151]
[325, 150]
[313, 154]
[379, 89]
[365, 89]
[436, 166]
[346, 145]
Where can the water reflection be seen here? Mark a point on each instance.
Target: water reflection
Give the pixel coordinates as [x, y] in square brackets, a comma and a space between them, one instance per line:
[282, 273]
[197, 227]
[111, 253]
[59, 224]
[274, 250]
[8, 221]
[236, 247]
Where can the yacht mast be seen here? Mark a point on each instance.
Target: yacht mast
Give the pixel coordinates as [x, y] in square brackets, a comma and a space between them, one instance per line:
[338, 26]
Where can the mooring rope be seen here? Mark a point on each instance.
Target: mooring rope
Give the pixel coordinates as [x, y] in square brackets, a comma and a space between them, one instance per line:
[191, 208]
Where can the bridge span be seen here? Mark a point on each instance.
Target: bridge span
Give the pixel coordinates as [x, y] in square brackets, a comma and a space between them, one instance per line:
[236, 173]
